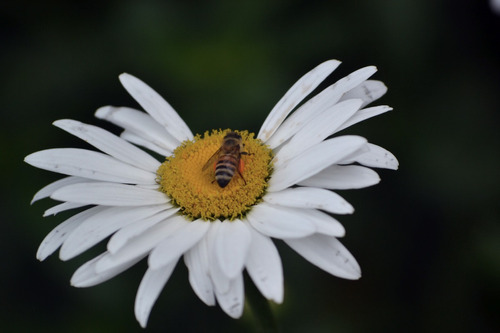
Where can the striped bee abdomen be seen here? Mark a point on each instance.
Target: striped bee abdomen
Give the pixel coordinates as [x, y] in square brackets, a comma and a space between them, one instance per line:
[225, 169]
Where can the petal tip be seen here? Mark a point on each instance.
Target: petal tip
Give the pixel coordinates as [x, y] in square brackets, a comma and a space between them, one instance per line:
[62, 122]
[103, 112]
[40, 256]
[65, 255]
[75, 282]
[127, 79]
[333, 62]
[124, 75]
[28, 158]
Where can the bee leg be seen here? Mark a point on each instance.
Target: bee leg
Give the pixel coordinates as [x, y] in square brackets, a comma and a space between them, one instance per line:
[239, 169]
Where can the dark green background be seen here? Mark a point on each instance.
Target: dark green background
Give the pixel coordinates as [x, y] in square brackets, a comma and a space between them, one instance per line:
[427, 237]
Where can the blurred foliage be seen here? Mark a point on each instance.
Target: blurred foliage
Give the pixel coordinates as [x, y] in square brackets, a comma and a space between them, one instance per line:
[427, 237]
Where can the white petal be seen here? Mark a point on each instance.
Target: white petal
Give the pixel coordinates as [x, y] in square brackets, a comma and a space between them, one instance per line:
[316, 105]
[304, 114]
[86, 275]
[148, 187]
[341, 177]
[109, 194]
[368, 91]
[62, 207]
[196, 260]
[141, 244]
[232, 242]
[327, 253]
[140, 124]
[99, 226]
[89, 164]
[58, 235]
[375, 157]
[264, 267]
[320, 222]
[151, 285]
[233, 300]
[137, 140]
[109, 144]
[279, 222]
[220, 281]
[122, 236]
[157, 107]
[303, 87]
[314, 160]
[46, 191]
[317, 130]
[324, 223]
[310, 197]
[175, 244]
[364, 114]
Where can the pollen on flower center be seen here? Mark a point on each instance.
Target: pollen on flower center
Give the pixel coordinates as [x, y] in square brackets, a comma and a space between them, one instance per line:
[196, 191]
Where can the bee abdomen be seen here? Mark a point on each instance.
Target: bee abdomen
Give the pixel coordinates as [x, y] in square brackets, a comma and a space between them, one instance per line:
[225, 169]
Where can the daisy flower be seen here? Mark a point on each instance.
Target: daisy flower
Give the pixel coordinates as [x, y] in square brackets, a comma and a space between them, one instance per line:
[280, 186]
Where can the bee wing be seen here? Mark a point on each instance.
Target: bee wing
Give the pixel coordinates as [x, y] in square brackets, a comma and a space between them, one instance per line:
[211, 160]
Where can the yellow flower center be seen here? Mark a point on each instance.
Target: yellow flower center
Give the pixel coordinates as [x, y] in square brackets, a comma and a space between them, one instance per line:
[190, 183]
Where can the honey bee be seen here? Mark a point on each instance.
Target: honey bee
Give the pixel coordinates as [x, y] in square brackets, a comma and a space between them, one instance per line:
[227, 159]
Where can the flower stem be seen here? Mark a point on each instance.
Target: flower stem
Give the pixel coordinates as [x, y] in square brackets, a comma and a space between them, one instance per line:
[260, 309]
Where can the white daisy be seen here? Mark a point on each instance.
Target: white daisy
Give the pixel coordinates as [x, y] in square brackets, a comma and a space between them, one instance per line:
[165, 211]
